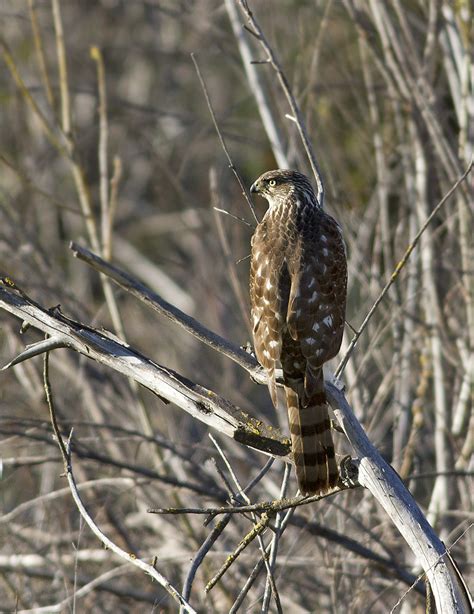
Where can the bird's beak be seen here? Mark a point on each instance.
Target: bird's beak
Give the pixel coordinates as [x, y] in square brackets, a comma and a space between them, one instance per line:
[253, 188]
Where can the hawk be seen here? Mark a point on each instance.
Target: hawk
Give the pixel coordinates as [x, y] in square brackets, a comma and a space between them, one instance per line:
[298, 280]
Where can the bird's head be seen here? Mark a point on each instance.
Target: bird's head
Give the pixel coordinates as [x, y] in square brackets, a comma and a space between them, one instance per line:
[279, 185]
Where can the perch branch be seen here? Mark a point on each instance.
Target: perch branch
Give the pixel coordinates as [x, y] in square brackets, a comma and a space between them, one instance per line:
[105, 349]
[153, 300]
[385, 485]
[378, 476]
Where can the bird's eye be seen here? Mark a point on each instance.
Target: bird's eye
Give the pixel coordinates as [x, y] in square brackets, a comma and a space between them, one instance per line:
[272, 183]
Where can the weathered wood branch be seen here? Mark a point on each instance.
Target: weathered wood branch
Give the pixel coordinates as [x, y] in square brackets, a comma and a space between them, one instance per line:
[104, 348]
[156, 302]
[374, 473]
[383, 482]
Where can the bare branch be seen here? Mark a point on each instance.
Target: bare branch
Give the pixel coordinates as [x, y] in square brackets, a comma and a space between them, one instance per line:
[108, 543]
[377, 468]
[258, 528]
[215, 533]
[102, 347]
[398, 269]
[268, 507]
[256, 85]
[191, 325]
[298, 116]
[221, 138]
[378, 476]
[106, 219]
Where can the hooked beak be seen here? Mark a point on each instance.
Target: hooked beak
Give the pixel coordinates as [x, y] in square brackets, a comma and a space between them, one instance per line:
[254, 188]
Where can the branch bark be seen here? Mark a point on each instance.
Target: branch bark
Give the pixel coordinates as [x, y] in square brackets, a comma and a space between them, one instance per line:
[201, 403]
[385, 485]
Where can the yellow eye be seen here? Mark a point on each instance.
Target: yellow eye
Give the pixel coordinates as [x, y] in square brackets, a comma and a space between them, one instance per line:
[272, 183]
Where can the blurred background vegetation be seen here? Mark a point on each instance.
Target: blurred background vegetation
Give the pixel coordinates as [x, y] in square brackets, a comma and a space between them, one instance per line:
[386, 89]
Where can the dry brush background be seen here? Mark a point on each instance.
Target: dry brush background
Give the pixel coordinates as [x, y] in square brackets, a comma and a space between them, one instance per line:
[106, 139]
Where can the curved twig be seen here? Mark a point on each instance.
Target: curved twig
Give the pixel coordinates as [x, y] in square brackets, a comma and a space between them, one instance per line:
[108, 543]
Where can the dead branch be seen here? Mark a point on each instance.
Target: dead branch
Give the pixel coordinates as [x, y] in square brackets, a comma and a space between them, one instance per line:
[401, 264]
[153, 300]
[105, 349]
[297, 116]
[387, 488]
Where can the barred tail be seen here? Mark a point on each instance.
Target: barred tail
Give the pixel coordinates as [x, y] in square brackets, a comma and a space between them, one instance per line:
[311, 440]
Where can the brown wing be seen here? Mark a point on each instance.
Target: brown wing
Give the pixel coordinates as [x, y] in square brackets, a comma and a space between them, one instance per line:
[316, 305]
[269, 290]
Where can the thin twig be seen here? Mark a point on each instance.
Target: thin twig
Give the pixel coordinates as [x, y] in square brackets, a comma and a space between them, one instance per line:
[221, 138]
[106, 226]
[130, 558]
[299, 119]
[256, 571]
[62, 68]
[48, 130]
[43, 69]
[26, 506]
[114, 186]
[270, 507]
[256, 85]
[215, 533]
[234, 281]
[251, 535]
[398, 270]
[243, 496]
[270, 586]
[236, 217]
[201, 553]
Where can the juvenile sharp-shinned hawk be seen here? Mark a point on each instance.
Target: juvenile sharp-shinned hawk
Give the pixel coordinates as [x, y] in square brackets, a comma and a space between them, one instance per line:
[298, 279]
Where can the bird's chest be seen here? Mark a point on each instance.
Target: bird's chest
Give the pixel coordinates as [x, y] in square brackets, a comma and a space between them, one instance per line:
[286, 238]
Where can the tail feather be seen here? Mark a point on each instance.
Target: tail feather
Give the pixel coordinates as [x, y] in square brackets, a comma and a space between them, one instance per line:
[311, 440]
